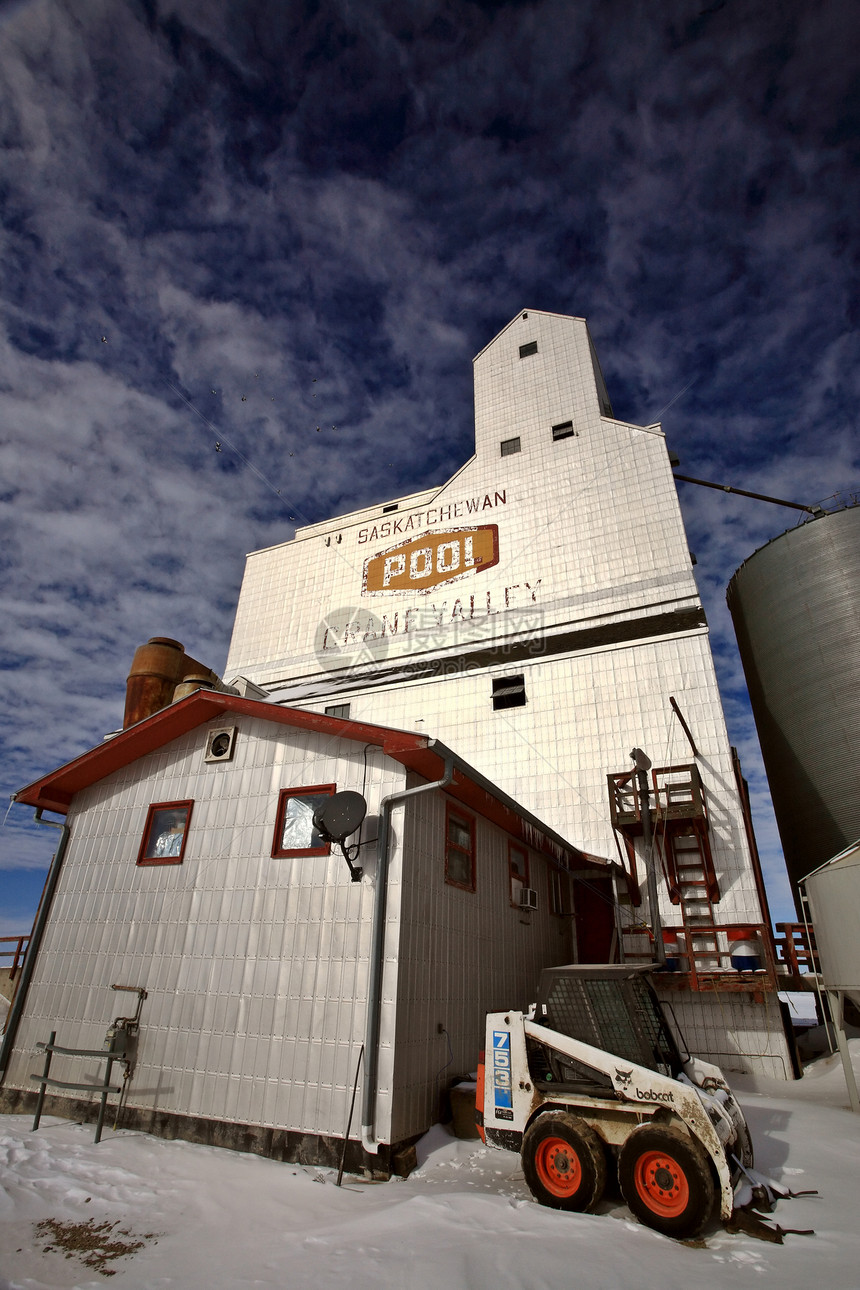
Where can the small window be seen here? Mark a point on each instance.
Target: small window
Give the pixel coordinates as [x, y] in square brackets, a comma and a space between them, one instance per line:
[338, 710]
[295, 833]
[559, 892]
[509, 692]
[527, 350]
[518, 872]
[459, 849]
[392, 507]
[563, 431]
[165, 833]
[510, 446]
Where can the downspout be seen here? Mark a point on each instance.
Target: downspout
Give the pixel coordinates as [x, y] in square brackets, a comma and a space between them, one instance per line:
[36, 935]
[377, 949]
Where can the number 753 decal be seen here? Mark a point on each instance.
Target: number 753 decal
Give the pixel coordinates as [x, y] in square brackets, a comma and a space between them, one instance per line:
[502, 1068]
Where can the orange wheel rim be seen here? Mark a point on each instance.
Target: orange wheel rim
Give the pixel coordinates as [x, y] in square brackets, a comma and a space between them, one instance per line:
[662, 1184]
[558, 1167]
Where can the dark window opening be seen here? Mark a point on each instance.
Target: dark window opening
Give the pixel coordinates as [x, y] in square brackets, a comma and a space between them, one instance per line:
[459, 850]
[527, 350]
[563, 431]
[510, 446]
[295, 832]
[518, 872]
[392, 507]
[559, 893]
[165, 833]
[509, 692]
[338, 710]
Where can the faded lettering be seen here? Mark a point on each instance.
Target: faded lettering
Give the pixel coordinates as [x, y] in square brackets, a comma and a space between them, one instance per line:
[425, 562]
[447, 557]
[425, 554]
[435, 515]
[394, 565]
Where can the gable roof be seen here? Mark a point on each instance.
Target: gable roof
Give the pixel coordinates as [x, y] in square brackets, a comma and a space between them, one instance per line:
[528, 313]
[420, 753]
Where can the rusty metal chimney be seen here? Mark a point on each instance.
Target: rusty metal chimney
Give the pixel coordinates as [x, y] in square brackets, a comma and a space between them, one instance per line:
[189, 684]
[157, 668]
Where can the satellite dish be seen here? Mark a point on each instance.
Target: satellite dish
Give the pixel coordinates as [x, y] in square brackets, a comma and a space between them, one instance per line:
[340, 815]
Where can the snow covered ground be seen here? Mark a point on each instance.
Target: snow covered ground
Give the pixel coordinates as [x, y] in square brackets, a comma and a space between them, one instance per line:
[211, 1218]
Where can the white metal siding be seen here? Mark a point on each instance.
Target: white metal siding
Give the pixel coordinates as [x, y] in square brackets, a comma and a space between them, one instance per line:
[256, 967]
[590, 535]
[583, 715]
[462, 954]
[733, 1030]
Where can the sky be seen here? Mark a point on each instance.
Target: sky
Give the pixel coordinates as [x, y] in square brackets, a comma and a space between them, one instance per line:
[229, 226]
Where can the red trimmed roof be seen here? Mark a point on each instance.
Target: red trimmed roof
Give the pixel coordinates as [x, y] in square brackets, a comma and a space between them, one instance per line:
[54, 792]
[419, 753]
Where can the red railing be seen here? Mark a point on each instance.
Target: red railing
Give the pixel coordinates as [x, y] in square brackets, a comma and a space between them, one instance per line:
[700, 953]
[795, 949]
[17, 954]
[705, 958]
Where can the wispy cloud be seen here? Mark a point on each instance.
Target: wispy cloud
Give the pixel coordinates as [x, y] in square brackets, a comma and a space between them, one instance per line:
[313, 216]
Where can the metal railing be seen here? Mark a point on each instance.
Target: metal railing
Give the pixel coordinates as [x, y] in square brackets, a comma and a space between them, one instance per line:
[20, 944]
[677, 793]
[44, 1081]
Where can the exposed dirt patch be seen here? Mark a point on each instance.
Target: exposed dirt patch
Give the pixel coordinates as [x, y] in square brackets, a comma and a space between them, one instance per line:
[95, 1244]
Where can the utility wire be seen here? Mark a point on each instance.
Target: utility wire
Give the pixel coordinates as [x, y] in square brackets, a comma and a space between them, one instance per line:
[222, 438]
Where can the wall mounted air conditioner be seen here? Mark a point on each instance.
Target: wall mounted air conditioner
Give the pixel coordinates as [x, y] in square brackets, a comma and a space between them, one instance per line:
[528, 898]
[220, 744]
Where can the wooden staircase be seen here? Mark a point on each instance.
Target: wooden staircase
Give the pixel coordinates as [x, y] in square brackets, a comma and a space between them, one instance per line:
[692, 891]
[682, 846]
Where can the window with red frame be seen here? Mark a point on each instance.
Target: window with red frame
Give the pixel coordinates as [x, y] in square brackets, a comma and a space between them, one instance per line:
[165, 833]
[518, 871]
[459, 849]
[295, 832]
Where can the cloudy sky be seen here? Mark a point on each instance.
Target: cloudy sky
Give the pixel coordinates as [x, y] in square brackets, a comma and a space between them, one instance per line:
[232, 221]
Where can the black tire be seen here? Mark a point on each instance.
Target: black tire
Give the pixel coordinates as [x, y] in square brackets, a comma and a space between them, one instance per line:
[564, 1162]
[666, 1180]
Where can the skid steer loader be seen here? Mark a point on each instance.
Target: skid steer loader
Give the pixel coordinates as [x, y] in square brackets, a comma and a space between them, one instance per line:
[592, 1079]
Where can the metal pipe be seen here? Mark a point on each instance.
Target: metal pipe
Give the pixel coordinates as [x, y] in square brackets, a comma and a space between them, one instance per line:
[36, 935]
[49, 1057]
[816, 976]
[742, 492]
[643, 763]
[836, 998]
[686, 729]
[377, 947]
[349, 1120]
[650, 869]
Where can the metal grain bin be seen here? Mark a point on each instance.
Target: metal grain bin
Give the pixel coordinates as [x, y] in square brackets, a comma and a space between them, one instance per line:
[796, 610]
[834, 899]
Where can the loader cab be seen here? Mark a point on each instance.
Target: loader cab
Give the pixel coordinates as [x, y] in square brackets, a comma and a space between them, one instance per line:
[611, 1007]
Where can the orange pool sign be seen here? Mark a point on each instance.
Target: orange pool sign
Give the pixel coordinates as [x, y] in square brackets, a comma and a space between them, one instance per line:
[431, 559]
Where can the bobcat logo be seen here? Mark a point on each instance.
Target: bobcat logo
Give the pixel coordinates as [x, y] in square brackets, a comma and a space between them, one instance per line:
[623, 1077]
